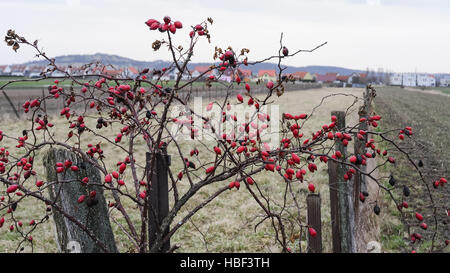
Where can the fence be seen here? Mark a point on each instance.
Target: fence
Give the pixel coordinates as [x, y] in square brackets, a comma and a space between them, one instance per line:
[343, 199]
[11, 100]
[344, 195]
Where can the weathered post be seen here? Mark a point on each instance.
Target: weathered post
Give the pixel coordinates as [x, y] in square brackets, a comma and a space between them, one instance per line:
[334, 205]
[364, 112]
[45, 101]
[158, 195]
[345, 194]
[314, 221]
[65, 189]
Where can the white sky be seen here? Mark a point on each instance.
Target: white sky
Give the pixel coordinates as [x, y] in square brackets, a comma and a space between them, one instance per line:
[398, 35]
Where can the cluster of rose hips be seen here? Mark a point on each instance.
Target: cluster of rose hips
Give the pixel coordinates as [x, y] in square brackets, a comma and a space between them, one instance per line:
[27, 105]
[61, 167]
[407, 131]
[166, 26]
[3, 158]
[94, 149]
[440, 182]
[120, 182]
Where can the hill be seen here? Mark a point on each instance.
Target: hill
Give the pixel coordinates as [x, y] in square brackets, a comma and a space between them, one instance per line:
[120, 61]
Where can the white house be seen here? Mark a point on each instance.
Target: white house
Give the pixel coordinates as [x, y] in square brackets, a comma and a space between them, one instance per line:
[35, 71]
[395, 79]
[18, 70]
[130, 72]
[58, 73]
[165, 77]
[445, 81]
[173, 75]
[5, 70]
[409, 79]
[195, 74]
[426, 80]
[351, 77]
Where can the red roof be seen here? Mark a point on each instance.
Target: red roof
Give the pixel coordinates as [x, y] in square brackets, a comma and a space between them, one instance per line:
[342, 78]
[270, 73]
[105, 71]
[201, 69]
[329, 77]
[299, 74]
[245, 72]
[363, 75]
[18, 68]
[133, 70]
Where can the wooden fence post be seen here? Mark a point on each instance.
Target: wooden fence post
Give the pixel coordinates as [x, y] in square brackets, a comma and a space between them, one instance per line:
[364, 112]
[334, 205]
[158, 195]
[93, 212]
[45, 102]
[345, 195]
[314, 221]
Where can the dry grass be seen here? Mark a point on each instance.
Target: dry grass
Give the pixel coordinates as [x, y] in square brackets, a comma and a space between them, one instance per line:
[226, 224]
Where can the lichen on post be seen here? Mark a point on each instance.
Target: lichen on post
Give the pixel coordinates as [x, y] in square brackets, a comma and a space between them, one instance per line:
[88, 230]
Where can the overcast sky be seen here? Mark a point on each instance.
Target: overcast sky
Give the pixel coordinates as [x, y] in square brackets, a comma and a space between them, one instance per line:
[398, 35]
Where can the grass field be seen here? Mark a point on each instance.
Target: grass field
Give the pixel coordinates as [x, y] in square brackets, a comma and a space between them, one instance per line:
[445, 90]
[429, 116]
[225, 225]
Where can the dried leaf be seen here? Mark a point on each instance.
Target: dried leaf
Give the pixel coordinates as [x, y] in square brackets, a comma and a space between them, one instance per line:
[15, 47]
[156, 45]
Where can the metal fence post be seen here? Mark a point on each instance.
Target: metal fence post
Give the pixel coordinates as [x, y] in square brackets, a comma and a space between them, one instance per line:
[158, 195]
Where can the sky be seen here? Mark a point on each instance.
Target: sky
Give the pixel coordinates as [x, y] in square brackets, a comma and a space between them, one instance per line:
[396, 35]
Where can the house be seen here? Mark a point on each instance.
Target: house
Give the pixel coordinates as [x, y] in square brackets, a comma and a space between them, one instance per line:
[5, 70]
[327, 78]
[426, 80]
[267, 75]
[130, 72]
[343, 79]
[246, 75]
[303, 76]
[200, 69]
[76, 71]
[355, 76]
[445, 81]
[168, 75]
[18, 70]
[226, 75]
[35, 71]
[409, 79]
[395, 79]
[173, 75]
[59, 73]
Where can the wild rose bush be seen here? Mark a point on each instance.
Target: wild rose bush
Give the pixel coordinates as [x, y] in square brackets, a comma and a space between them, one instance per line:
[240, 135]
